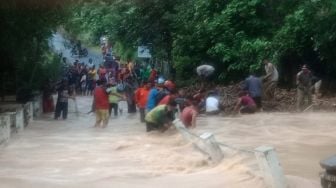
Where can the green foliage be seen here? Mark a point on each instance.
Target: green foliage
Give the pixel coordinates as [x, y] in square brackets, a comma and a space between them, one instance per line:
[233, 35]
[26, 28]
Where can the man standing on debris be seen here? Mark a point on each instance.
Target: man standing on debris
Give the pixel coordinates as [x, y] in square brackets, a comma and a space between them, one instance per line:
[270, 79]
[254, 87]
[303, 82]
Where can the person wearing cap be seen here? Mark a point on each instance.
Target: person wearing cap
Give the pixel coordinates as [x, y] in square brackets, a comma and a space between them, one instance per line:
[161, 117]
[152, 100]
[304, 83]
[169, 85]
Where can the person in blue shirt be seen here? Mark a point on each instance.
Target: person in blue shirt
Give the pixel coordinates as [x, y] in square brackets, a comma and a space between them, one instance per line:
[152, 96]
[253, 85]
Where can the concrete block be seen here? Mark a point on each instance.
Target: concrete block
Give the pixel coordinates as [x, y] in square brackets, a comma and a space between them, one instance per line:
[270, 166]
[19, 119]
[28, 113]
[37, 106]
[4, 128]
[213, 149]
[206, 143]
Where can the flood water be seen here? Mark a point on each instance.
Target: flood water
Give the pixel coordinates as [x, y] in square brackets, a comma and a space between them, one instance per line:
[72, 153]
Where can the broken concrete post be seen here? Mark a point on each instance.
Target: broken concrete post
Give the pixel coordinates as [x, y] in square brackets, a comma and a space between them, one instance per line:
[19, 122]
[206, 143]
[212, 147]
[328, 178]
[28, 112]
[37, 106]
[4, 128]
[270, 166]
[183, 131]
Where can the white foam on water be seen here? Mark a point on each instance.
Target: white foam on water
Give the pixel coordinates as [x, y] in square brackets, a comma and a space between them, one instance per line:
[73, 154]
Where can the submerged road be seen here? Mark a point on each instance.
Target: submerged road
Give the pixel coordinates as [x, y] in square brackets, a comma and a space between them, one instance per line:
[71, 153]
[57, 41]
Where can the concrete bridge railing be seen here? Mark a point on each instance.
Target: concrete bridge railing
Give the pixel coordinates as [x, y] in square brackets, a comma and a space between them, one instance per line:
[15, 117]
[267, 158]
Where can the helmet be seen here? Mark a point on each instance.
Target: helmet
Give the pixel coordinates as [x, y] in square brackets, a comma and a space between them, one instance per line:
[169, 85]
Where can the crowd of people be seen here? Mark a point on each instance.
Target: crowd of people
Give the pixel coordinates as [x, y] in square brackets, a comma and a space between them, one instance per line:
[158, 100]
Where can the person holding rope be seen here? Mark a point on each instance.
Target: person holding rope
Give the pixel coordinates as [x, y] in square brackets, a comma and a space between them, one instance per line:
[62, 100]
[245, 104]
[161, 117]
[189, 114]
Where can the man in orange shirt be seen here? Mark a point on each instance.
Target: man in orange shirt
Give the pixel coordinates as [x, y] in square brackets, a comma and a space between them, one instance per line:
[141, 96]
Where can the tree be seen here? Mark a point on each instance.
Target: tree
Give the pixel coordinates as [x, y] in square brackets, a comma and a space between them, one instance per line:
[26, 28]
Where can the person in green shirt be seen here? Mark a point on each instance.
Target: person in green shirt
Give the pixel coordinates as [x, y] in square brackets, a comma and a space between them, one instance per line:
[114, 98]
[161, 117]
[146, 73]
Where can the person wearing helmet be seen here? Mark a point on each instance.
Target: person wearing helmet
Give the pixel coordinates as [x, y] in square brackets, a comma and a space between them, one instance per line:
[169, 85]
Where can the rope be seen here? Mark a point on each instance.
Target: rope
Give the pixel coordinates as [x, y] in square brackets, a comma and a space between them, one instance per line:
[184, 131]
[219, 143]
[236, 148]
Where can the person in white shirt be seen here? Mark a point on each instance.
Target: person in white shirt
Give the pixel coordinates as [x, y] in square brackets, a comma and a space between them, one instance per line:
[270, 79]
[90, 63]
[212, 104]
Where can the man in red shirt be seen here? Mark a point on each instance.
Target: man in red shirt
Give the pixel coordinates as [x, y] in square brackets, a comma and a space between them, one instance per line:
[171, 96]
[102, 73]
[245, 104]
[101, 104]
[141, 96]
[189, 114]
[153, 74]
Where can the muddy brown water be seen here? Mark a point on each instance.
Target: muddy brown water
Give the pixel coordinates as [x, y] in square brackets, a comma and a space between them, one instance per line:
[71, 153]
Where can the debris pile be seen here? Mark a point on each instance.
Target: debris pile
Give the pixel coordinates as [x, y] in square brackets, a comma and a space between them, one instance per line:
[283, 101]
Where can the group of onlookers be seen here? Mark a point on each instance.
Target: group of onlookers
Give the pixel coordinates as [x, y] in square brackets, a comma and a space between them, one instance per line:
[158, 99]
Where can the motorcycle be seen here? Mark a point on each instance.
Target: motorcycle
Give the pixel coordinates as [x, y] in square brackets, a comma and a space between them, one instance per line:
[83, 52]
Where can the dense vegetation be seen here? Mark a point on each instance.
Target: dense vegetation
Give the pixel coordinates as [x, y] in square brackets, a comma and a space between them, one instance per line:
[234, 35]
[26, 61]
